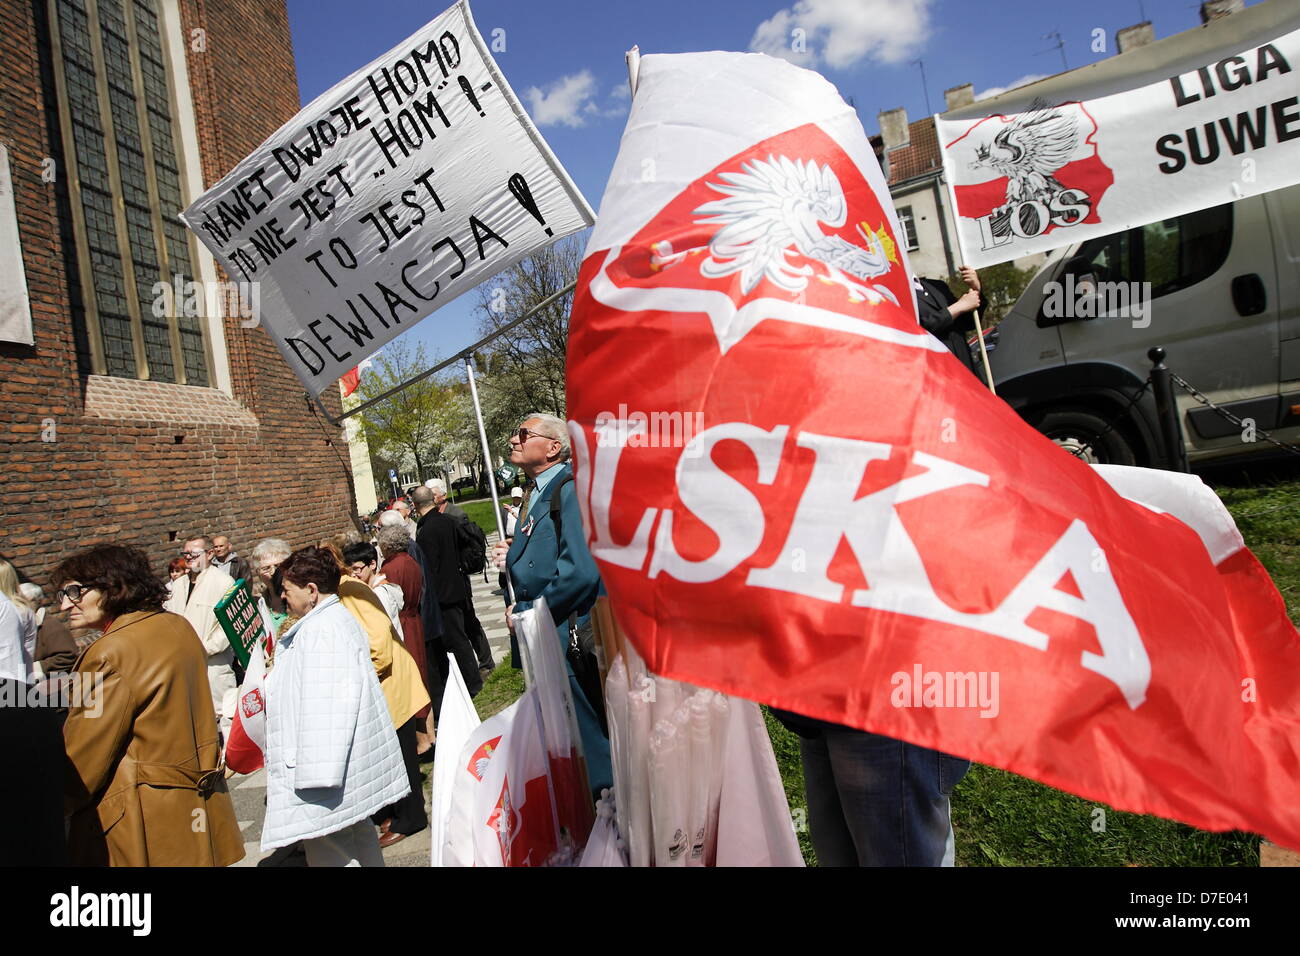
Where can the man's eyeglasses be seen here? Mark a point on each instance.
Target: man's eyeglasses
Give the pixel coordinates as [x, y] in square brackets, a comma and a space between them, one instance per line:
[73, 592]
[194, 555]
[360, 566]
[523, 434]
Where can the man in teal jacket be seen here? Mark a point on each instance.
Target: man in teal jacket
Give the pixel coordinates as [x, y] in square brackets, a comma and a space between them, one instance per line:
[562, 571]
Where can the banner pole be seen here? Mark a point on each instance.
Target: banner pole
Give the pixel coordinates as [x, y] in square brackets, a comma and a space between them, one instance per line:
[487, 464]
[961, 252]
[633, 59]
[984, 353]
[459, 356]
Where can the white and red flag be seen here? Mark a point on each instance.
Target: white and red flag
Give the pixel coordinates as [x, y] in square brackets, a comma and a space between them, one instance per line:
[797, 495]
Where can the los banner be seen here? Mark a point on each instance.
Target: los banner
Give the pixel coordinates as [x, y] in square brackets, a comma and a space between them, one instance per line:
[402, 187]
[1191, 122]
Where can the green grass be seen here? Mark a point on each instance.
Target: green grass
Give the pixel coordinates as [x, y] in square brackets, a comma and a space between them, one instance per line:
[501, 689]
[1001, 819]
[1268, 517]
[480, 512]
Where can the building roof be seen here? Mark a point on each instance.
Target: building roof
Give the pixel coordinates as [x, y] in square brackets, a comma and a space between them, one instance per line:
[919, 157]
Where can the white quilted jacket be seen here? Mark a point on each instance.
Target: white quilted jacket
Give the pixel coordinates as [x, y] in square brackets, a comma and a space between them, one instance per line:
[332, 756]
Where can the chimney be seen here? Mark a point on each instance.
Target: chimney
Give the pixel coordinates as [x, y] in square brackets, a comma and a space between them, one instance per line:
[959, 96]
[893, 128]
[1216, 9]
[1130, 38]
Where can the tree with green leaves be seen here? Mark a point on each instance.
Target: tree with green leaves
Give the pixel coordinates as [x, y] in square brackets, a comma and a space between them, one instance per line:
[523, 369]
[409, 426]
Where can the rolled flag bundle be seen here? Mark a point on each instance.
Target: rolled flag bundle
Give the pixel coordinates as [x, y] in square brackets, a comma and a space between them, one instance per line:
[798, 496]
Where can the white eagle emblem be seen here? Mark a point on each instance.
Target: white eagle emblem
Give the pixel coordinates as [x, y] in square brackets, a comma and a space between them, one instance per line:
[775, 208]
[1030, 151]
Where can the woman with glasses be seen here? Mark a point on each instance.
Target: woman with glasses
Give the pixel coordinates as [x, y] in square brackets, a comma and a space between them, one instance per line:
[141, 733]
[332, 757]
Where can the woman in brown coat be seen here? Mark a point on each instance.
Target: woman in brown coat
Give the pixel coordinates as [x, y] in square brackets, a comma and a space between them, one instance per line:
[145, 787]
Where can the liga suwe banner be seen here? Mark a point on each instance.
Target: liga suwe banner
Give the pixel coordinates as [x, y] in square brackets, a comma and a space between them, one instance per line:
[1190, 122]
[797, 495]
[402, 187]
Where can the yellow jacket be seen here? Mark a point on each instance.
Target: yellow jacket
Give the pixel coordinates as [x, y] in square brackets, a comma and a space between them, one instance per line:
[399, 678]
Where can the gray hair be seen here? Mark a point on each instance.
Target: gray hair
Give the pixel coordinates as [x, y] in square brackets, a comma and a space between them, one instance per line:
[552, 427]
[31, 593]
[400, 505]
[422, 496]
[270, 548]
[436, 485]
[392, 519]
[392, 539]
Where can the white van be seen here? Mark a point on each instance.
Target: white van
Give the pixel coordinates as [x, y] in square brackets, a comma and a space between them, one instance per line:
[1224, 303]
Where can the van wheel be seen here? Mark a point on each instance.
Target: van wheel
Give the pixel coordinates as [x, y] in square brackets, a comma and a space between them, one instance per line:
[1080, 433]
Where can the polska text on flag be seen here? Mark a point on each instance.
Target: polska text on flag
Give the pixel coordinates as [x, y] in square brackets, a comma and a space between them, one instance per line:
[858, 509]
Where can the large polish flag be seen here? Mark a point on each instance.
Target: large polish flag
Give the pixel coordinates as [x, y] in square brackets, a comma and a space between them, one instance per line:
[796, 495]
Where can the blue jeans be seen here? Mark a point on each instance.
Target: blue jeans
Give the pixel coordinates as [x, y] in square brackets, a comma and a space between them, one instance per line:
[876, 801]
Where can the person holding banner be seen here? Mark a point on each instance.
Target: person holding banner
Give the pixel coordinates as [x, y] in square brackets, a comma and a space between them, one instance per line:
[949, 318]
[549, 558]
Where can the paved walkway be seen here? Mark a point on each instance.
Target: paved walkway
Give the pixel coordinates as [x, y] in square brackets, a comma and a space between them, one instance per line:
[249, 792]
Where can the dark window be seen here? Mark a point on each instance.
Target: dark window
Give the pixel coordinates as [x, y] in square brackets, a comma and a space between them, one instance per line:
[119, 134]
[909, 227]
[1172, 254]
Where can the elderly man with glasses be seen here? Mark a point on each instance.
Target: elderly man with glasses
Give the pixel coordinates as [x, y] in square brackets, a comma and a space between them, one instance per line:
[193, 597]
[549, 558]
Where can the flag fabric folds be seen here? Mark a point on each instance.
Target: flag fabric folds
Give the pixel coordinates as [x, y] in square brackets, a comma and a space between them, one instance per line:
[798, 496]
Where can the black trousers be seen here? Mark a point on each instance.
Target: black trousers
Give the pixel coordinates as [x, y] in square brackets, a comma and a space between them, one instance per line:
[454, 641]
[407, 815]
[31, 781]
[477, 636]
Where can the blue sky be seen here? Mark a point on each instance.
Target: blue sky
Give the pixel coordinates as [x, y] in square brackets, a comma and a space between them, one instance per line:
[564, 58]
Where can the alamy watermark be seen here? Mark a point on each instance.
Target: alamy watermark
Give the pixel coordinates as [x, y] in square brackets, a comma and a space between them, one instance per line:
[959, 689]
[1088, 298]
[182, 297]
[64, 691]
[633, 429]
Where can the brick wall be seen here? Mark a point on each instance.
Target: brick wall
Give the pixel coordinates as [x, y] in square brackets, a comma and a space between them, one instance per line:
[85, 457]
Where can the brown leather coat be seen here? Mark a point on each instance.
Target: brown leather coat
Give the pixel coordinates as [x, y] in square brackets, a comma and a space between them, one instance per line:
[144, 787]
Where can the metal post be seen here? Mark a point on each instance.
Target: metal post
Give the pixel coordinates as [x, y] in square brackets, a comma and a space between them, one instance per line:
[487, 463]
[1171, 433]
[464, 353]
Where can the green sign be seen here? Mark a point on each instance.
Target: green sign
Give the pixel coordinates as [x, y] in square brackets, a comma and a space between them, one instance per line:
[239, 617]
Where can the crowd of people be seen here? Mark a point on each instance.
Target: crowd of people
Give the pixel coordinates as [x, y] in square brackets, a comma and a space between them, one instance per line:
[362, 632]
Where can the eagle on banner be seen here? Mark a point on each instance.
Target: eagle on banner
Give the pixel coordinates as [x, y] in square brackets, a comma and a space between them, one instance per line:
[778, 206]
[1030, 151]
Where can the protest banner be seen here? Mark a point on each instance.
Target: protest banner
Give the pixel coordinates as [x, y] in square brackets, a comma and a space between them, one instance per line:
[1190, 122]
[402, 187]
[861, 533]
[240, 618]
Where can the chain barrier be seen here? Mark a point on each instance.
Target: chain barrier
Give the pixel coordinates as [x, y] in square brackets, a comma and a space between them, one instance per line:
[1223, 412]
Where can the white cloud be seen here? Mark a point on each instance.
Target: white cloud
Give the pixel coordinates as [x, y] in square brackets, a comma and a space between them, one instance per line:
[999, 90]
[621, 93]
[564, 102]
[842, 33]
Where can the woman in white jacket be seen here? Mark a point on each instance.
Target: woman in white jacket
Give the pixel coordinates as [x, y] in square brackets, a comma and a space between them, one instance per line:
[332, 757]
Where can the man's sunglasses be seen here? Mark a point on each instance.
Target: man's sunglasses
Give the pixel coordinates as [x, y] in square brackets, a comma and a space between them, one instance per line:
[195, 555]
[523, 434]
[73, 592]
